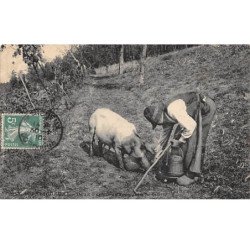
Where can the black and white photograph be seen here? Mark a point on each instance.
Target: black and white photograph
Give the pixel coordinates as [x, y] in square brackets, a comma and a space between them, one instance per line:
[124, 121]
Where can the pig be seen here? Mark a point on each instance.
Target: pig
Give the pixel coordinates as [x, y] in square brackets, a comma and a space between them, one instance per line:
[113, 130]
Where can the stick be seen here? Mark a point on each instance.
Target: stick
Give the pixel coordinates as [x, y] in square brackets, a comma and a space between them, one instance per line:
[144, 176]
[159, 156]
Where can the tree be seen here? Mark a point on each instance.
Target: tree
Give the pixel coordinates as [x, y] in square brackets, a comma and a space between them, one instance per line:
[142, 64]
[121, 60]
[25, 87]
[80, 65]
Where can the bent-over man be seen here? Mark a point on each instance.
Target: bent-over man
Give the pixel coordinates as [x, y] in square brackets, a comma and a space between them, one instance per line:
[183, 110]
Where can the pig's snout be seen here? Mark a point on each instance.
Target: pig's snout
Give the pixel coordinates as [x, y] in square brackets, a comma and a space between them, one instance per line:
[145, 163]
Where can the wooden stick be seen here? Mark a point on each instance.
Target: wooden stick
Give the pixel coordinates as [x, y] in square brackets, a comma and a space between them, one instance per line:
[159, 157]
[144, 176]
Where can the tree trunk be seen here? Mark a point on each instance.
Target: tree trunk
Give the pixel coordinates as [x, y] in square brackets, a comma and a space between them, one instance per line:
[27, 92]
[142, 64]
[81, 66]
[35, 67]
[129, 52]
[121, 61]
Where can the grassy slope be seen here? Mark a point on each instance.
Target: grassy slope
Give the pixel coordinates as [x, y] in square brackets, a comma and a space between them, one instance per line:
[223, 73]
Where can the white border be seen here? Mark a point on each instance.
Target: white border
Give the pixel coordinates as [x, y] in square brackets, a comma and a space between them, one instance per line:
[124, 224]
[102, 22]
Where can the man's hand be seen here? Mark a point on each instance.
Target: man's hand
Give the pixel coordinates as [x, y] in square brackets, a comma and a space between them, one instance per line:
[203, 98]
[176, 143]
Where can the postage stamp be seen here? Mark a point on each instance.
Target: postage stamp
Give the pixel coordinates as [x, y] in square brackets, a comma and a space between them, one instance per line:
[22, 131]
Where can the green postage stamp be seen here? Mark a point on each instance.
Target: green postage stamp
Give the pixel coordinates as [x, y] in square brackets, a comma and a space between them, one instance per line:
[21, 131]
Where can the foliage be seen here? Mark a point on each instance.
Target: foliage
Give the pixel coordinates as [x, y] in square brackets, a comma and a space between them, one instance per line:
[94, 56]
[31, 54]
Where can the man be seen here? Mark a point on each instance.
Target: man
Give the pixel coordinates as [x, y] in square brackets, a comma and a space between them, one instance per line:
[183, 109]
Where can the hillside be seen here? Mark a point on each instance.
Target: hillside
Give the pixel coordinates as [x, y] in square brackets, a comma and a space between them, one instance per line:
[68, 172]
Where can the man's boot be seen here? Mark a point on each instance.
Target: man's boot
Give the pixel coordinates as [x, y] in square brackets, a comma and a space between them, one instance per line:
[186, 180]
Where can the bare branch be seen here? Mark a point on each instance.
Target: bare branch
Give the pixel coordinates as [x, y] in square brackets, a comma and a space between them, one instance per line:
[27, 92]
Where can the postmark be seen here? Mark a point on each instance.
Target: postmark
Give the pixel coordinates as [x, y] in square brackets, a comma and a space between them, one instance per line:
[22, 131]
[52, 130]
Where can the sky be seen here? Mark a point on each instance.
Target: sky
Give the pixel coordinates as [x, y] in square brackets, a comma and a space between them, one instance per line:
[9, 63]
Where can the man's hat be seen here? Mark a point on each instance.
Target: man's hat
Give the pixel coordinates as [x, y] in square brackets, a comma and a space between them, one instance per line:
[153, 114]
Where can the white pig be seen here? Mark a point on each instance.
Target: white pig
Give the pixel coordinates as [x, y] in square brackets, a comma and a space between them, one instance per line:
[115, 131]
